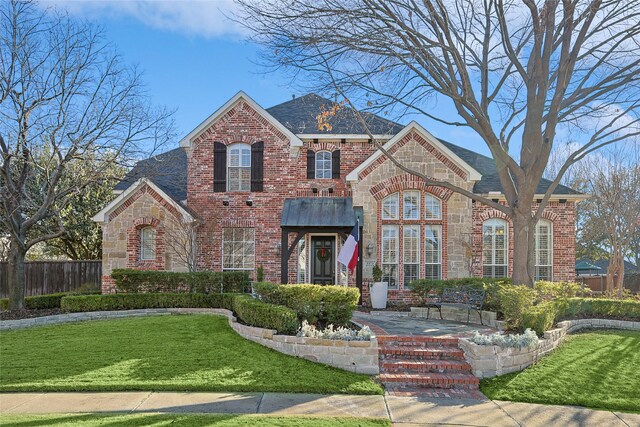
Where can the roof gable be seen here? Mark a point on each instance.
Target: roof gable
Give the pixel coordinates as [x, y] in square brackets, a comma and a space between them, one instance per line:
[472, 174]
[294, 141]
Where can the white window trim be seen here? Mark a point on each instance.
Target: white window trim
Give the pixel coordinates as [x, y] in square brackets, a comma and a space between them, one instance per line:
[550, 249]
[428, 197]
[437, 227]
[418, 203]
[153, 243]
[254, 250]
[493, 222]
[418, 238]
[397, 249]
[395, 196]
[330, 155]
[241, 146]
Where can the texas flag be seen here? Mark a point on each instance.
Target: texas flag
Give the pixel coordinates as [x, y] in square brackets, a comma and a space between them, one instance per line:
[348, 255]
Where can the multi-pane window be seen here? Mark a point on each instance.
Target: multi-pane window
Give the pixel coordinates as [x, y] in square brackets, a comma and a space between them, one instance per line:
[543, 237]
[238, 248]
[323, 165]
[390, 207]
[302, 261]
[433, 251]
[148, 243]
[411, 252]
[495, 244]
[432, 207]
[390, 255]
[411, 204]
[239, 167]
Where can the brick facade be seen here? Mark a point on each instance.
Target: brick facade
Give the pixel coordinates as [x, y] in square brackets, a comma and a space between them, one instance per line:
[285, 176]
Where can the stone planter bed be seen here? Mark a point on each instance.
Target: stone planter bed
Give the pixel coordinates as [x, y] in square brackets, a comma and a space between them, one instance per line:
[489, 360]
[355, 356]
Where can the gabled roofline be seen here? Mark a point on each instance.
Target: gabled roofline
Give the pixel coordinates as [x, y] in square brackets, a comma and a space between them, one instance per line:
[474, 175]
[103, 215]
[293, 139]
[335, 136]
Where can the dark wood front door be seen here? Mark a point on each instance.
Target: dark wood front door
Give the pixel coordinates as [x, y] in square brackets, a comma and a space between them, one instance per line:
[323, 260]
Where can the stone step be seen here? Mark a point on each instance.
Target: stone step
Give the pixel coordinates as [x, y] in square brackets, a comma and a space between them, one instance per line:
[417, 341]
[413, 353]
[439, 366]
[431, 380]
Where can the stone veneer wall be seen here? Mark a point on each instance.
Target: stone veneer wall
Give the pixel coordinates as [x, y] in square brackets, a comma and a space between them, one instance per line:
[490, 360]
[354, 356]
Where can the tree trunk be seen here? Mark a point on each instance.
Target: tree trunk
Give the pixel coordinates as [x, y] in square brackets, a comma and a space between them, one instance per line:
[523, 243]
[15, 275]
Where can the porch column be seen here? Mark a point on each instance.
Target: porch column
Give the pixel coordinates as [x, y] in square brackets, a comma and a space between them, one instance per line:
[284, 257]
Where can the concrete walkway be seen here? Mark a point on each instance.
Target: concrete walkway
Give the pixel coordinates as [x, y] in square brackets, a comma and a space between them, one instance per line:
[402, 411]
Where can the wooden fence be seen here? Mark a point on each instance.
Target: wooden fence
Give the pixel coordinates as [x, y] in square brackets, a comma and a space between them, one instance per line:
[48, 277]
[599, 283]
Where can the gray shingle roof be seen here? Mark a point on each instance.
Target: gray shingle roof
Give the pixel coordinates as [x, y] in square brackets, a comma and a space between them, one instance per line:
[603, 264]
[169, 170]
[299, 116]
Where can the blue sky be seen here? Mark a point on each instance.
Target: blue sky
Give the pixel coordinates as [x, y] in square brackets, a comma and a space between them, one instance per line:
[194, 59]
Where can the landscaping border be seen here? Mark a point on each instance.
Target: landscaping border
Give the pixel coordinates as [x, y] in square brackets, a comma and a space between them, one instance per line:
[491, 360]
[354, 356]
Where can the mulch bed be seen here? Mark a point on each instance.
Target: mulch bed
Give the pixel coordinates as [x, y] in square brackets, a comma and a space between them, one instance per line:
[26, 314]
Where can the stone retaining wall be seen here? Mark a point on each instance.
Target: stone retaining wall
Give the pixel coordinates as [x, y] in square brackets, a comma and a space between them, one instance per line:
[490, 360]
[456, 314]
[354, 356]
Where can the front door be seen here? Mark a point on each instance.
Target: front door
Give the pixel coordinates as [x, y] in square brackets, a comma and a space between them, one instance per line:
[323, 260]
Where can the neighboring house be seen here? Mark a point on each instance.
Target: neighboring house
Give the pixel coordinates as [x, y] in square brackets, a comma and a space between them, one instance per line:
[598, 267]
[266, 188]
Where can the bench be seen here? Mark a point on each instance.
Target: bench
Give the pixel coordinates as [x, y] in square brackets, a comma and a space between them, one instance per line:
[465, 297]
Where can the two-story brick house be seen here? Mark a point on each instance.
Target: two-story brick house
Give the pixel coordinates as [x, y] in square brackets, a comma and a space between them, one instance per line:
[258, 187]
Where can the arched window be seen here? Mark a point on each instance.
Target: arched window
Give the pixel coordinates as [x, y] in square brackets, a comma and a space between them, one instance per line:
[543, 237]
[239, 167]
[147, 243]
[323, 165]
[411, 204]
[390, 207]
[495, 245]
[432, 207]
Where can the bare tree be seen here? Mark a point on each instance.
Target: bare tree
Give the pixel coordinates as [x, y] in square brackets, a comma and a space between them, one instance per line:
[181, 239]
[64, 96]
[522, 74]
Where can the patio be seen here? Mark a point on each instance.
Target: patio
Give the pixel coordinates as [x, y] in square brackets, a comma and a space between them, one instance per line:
[400, 323]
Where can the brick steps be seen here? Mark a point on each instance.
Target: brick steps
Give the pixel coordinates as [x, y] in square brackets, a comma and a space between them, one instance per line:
[425, 366]
[434, 366]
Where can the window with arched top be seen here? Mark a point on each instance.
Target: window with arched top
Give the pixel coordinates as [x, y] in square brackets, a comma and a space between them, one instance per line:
[495, 246]
[147, 243]
[323, 165]
[239, 167]
[432, 207]
[390, 207]
[543, 237]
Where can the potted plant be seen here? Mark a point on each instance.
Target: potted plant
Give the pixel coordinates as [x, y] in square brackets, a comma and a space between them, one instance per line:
[378, 289]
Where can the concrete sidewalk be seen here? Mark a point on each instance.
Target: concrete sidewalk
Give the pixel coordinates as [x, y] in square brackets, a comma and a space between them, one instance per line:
[402, 411]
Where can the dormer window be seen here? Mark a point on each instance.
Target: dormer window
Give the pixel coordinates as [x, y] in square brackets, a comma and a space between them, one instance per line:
[323, 165]
[239, 167]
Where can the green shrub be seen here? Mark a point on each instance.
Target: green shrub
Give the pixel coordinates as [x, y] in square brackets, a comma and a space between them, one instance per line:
[598, 307]
[514, 301]
[540, 318]
[134, 281]
[425, 287]
[146, 300]
[45, 302]
[256, 313]
[552, 290]
[317, 304]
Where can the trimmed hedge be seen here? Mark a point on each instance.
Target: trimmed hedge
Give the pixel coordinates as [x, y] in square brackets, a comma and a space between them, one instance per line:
[43, 302]
[134, 281]
[425, 288]
[540, 318]
[317, 304]
[514, 301]
[108, 302]
[256, 313]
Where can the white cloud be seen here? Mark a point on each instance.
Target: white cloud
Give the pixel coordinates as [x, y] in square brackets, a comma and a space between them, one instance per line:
[199, 18]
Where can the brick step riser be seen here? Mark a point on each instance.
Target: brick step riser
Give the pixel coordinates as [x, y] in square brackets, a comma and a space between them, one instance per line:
[386, 369]
[417, 345]
[420, 356]
[426, 386]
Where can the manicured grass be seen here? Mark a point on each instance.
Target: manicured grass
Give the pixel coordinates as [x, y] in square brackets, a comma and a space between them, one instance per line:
[179, 353]
[596, 369]
[92, 420]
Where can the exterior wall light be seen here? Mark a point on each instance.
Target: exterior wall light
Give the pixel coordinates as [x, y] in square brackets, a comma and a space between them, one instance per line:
[370, 249]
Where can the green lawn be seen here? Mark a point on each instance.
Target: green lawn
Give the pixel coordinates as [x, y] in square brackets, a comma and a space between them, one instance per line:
[596, 369]
[92, 420]
[178, 353]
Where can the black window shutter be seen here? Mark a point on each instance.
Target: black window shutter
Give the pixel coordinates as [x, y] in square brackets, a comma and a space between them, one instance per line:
[335, 164]
[219, 167]
[257, 166]
[311, 164]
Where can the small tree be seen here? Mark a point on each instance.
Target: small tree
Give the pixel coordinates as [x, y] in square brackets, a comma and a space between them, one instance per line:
[64, 97]
[521, 75]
